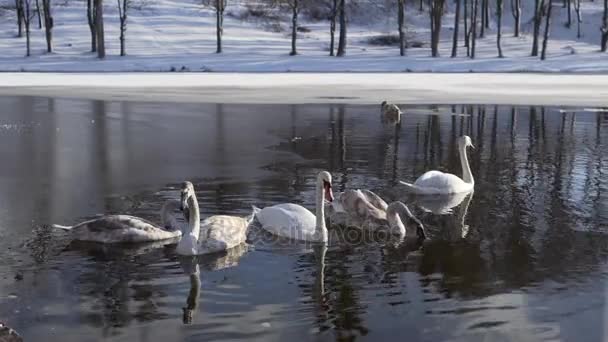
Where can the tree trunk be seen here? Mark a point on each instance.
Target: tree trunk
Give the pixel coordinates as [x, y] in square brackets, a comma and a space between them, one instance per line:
[122, 13]
[605, 27]
[579, 19]
[499, 7]
[487, 14]
[538, 10]
[294, 27]
[48, 24]
[91, 21]
[456, 25]
[547, 31]
[19, 10]
[219, 24]
[342, 38]
[400, 18]
[516, 11]
[27, 20]
[482, 28]
[569, 6]
[38, 14]
[474, 27]
[436, 13]
[421, 8]
[466, 26]
[332, 27]
[101, 46]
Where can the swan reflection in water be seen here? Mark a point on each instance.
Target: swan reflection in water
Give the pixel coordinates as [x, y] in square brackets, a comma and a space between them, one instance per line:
[191, 265]
[445, 205]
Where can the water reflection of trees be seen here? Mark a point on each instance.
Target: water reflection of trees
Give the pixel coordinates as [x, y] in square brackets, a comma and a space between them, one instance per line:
[529, 164]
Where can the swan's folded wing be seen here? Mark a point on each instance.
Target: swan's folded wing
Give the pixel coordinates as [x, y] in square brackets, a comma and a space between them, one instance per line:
[223, 232]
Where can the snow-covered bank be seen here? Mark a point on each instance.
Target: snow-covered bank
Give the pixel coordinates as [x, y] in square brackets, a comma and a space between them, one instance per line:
[360, 88]
[170, 35]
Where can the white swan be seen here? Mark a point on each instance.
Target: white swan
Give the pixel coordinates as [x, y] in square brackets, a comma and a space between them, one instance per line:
[216, 233]
[126, 228]
[296, 222]
[437, 182]
[390, 113]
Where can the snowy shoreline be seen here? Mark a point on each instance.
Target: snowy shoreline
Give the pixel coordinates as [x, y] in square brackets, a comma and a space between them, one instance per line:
[351, 88]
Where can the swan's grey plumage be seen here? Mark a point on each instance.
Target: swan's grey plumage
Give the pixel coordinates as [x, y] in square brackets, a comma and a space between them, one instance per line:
[216, 233]
[390, 113]
[127, 228]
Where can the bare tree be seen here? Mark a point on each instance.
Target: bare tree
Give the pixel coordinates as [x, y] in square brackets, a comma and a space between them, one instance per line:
[473, 34]
[436, 13]
[482, 27]
[516, 11]
[579, 19]
[19, 10]
[456, 25]
[332, 26]
[538, 16]
[605, 27]
[28, 15]
[543, 54]
[101, 44]
[499, 7]
[569, 5]
[91, 21]
[466, 27]
[123, 5]
[219, 6]
[401, 19]
[342, 38]
[294, 6]
[38, 14]
[48, 24]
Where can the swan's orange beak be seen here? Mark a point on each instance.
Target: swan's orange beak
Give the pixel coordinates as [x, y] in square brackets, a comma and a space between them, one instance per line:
[329, 195]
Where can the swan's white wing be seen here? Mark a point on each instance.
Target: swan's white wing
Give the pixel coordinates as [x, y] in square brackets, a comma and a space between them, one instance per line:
[288, 220]
[222, 232]
[120, 228]
[437, 182]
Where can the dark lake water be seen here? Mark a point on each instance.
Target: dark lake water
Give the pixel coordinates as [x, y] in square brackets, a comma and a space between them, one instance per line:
[523, 259]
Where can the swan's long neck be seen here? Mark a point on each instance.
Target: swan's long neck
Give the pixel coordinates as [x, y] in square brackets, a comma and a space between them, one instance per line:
[321, 229]
[467, 176]
[194, 225]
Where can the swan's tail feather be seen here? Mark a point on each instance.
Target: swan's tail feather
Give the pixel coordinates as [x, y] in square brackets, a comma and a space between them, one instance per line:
[58, 226]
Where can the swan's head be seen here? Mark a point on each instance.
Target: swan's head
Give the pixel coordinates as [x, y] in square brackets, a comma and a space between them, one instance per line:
[406, 218]
[186, 193]
[324, 178]
[383, 104]
[465, 141]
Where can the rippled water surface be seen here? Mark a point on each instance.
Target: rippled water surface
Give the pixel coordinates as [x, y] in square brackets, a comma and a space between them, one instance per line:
[523, 259]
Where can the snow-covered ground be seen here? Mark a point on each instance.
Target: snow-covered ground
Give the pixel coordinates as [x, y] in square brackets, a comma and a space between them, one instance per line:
[172, 34]
[351, 88]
